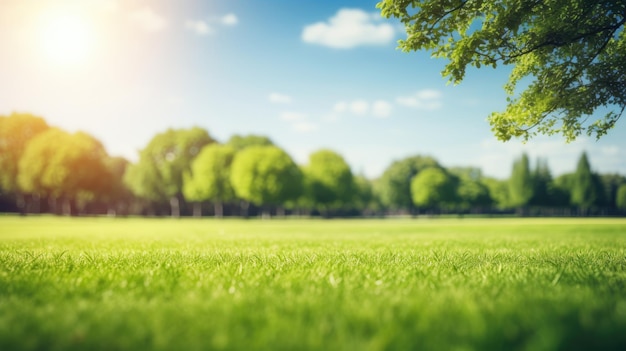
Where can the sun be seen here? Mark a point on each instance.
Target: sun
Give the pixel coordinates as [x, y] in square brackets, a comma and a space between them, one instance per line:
[66, 38]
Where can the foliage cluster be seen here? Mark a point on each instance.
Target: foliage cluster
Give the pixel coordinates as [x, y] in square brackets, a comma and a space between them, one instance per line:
[48, 162]
[567, 57]
[178, 169]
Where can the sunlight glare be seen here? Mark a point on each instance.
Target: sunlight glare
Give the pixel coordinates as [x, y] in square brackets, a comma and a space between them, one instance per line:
[66, 38]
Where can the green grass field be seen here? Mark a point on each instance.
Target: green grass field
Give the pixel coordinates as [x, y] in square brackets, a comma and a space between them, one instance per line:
[454, 284]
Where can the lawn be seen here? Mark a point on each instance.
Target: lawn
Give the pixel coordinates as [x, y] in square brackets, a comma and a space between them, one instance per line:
[287, 284]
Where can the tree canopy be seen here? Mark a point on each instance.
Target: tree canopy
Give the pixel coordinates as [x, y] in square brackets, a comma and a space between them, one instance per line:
[265, 175]
[64, 165]
[394, 185]
[585, 190]
[471, 191]
[433, 187]
[542, 178]
[73, 170]
[364, 198]
[240, 142]
[210, 176]
[620, 200]
[16, 131]
[144, 181]
[116, 193]
[498, 191]
[567, 57]
[521, 185]
[159, 173]
[330, 179]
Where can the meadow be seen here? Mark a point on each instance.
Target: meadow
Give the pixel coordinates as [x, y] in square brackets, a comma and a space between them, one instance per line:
[295, 284]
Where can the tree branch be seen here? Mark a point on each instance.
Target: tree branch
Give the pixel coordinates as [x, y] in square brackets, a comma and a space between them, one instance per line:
[557, 43]
[448, 13]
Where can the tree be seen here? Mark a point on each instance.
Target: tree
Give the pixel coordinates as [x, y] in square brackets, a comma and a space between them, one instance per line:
[144, 181]
[610, 185]
[303, 204]
[330, 180]
[35, 161]
[620, 200]
[433, 187]
[364, 198]
[158, 175]
[64, 166]
[209, 178]
[585, 190]
[265, 175]
[240, 142]
[16, 131]
[542, 184]
[394, 186]
[521, 185]
[117, 195]
[562, 191]
[471, 192]
[568, 54]
[498, 191]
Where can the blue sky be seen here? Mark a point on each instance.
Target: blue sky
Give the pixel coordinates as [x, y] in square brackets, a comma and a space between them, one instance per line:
[308, 74]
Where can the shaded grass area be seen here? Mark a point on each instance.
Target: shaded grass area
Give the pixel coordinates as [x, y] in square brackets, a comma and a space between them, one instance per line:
[161, 284]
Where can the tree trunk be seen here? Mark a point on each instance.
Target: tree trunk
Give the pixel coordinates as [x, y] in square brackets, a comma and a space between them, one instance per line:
[244, 208]
[111, 212]
[67, 206]
[150, 211]
[20, 203]
[325, 211]
[175, 206]
[219, 209]
[37, 203]
[114, 209]
[52, 202]
[122, 209]
[280, 212]
[266, 212]
[197, 209]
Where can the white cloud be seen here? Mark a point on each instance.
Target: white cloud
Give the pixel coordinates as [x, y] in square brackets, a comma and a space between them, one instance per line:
[349, 28]
[305, 126]
[229, 20]
[292, 116]
[278, 98]
[148, 20]
[427, 99]
[359, 107]
[381, 108]
[199, 27]
[356, 107]
[340, 107]
[298, 121]
[207, 26]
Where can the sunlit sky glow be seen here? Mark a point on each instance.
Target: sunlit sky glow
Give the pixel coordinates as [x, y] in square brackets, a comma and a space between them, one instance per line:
[65, 39]
[308, 74]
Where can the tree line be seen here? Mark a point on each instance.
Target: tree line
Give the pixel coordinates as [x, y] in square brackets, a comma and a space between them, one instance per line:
[188, 172]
